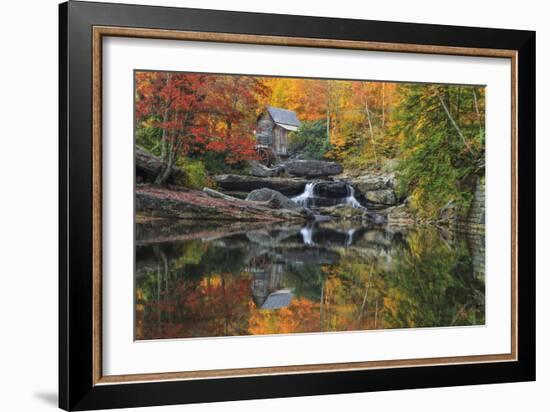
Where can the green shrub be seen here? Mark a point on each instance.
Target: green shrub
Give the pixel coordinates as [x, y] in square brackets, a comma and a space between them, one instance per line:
[310, 140]
[195, 173]
[149, 138]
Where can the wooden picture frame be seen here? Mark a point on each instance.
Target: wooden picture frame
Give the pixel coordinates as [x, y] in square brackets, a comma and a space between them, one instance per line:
[82, 385]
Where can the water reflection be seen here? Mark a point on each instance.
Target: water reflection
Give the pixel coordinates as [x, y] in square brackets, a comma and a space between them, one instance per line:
[242, 280]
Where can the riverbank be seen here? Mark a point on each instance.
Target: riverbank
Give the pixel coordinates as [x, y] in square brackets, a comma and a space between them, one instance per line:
[182, 203]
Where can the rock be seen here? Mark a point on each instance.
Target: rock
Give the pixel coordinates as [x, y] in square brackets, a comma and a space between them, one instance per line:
[217, 195]
[384, 196]
[239, 183]
[346, 212]
[196, 205]
[332, 190]
[259, 170]
[400, 216]
[369, 182]
[272, 199]
[312, 168]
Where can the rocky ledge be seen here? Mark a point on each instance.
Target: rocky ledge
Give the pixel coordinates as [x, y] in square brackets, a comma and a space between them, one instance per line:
[192, 204]
[244, 184]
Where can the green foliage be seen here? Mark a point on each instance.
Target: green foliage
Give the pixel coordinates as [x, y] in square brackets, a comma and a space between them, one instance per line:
[437, 161]
[215, 163]
[310, 140]
[149, 138]
[432, 285]
[195, 173]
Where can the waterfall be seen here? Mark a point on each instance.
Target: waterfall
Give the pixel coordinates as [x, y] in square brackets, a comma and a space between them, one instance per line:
[302, 199]
[351, 200]
[307, 235]
[349, 237]
[311, 199]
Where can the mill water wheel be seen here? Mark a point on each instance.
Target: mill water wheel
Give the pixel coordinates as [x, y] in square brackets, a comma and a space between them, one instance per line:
[266, 155]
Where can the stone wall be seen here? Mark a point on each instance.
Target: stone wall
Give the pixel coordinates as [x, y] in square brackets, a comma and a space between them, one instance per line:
[475, 219]
[473, 226]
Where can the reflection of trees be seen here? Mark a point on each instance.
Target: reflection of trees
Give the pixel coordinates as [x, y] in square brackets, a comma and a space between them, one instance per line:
[196, 292]
[382, 280]
[433, 285]
[428, 283]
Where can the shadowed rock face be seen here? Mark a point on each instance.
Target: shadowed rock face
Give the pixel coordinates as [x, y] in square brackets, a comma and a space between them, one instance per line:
[312, 168]
[238, 183]
[332, 190]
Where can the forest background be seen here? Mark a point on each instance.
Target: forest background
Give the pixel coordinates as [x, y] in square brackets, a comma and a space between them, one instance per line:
[432, 136]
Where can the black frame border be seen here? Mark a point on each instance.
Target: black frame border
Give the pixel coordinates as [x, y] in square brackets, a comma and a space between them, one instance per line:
[76, 388]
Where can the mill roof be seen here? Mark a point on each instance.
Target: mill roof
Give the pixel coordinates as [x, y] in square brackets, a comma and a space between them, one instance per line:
[283, 116]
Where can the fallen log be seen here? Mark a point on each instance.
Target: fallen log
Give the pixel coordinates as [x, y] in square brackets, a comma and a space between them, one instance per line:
[149, 166]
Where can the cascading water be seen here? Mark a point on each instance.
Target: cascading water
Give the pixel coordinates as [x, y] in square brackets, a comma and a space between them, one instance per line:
[349, 237]
[311, 199]
[307, 235]
[309, 193]
[351, 200]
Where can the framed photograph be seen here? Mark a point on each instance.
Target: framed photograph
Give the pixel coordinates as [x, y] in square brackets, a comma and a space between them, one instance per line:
[256, 205]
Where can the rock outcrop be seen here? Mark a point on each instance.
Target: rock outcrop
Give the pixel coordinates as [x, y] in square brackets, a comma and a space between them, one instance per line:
[240, 183]
[259, 170]
[273, 199]
[197, 205]
[381, 197]
[312, 168]
[375, 181]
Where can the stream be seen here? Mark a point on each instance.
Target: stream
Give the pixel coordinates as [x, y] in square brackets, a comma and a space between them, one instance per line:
[206, 280]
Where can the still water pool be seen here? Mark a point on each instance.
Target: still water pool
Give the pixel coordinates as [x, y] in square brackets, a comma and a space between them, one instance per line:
[228, 280]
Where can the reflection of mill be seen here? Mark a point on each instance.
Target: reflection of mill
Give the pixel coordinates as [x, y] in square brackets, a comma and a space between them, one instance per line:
[267, 283]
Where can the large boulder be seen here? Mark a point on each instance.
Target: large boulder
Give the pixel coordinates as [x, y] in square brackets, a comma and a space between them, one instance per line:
[312, 168]
[239, 183]
[384, 197]
[370, 182]
[272, 199]
[259, 170]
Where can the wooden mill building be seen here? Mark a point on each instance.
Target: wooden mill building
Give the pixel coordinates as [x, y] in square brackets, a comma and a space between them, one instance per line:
[273, 127]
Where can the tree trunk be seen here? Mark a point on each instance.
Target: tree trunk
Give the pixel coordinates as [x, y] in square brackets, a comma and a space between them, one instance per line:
[370, 128]
[383, 105]
[167, 169]
[477, 113]
[450, 117]
[328, 126]
[149, 166]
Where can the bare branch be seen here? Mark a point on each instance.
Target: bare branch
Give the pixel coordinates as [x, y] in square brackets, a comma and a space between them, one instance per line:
[454, 123]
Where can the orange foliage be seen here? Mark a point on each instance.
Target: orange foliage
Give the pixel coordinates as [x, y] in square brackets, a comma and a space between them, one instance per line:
[302, 315]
